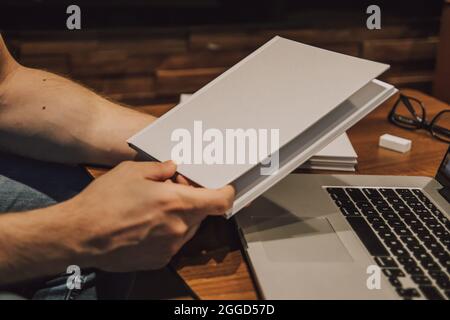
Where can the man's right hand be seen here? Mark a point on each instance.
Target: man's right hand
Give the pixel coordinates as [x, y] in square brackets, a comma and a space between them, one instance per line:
[135, 218]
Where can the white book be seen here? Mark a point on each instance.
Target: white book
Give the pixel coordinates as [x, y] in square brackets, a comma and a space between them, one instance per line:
[310, 95]
[339, 155]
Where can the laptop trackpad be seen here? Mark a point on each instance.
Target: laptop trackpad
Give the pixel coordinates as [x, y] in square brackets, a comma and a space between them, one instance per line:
[308, 240]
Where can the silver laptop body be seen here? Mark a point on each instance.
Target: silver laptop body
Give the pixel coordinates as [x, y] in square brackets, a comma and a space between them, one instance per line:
[301, 246]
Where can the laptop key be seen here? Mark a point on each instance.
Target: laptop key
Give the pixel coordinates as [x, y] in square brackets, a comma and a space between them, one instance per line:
[395, 282]
[406, 260]
[364, 204]
[431, 293]
[421, 280]
[421, 255]
[394, 273]
[415, 248]
[396, 200]
[356, 194]
[367, 236]
[408, 215]
[384, 209]
[413, 270]
[443, 283]
[373, 219]
[337, 191]
[435, 274]
[412, 222]
[388, 193]
[350, 212]
[400, 207]
[387, 235]
[386, 262]
[400, 252]
[428, 219]
[395, 223]
[405, 192]
[433, 246]
[369, 212]
[342, 197]
[419, 229]
[419, 194]
[393, 244]
[408, 293]
[410, 241]
[429, 264]
[379, 202]
[445, 239]
[372, 193]
[380, 227]
[390, 215]
[344, 203]
[442, 256]
[402, 231]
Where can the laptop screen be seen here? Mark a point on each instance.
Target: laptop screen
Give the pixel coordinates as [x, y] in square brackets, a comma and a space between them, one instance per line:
[443, 174]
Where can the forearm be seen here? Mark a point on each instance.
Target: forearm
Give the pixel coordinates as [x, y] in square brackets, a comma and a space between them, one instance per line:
[47, 117]
[38, 243]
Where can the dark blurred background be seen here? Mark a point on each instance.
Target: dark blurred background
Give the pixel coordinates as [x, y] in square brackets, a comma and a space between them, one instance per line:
[143, 52]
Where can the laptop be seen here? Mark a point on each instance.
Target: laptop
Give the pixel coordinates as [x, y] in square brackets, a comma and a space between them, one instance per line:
[317, 236]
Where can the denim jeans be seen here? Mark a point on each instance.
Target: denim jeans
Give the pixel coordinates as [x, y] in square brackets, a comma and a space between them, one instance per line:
[27, 184]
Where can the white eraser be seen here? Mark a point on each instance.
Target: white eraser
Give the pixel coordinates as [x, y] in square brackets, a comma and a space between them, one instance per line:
[395, 143]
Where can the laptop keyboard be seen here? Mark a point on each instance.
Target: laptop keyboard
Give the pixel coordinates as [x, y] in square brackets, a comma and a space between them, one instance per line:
[407, 235]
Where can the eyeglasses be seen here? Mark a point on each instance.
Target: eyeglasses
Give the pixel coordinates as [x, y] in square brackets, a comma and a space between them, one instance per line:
[409, 113]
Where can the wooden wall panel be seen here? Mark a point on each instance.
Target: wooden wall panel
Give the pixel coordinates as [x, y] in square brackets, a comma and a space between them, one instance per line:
[400, 50]
[57, 63]
[236, 39]
[156, 65]
[111, 62]
[175, 82]
[123, 88]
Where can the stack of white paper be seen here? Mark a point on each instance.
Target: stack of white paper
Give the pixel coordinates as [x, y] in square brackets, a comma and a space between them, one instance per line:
[339, 155]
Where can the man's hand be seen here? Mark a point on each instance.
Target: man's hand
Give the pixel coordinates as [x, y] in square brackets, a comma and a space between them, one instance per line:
[132, 218]
[136, 221]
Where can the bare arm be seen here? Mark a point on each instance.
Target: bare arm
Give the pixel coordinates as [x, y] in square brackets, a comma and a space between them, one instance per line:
[129, 219]
[47, 117]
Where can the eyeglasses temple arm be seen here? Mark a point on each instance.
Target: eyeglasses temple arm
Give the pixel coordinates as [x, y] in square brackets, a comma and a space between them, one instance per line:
[441, 130]
[409, 106]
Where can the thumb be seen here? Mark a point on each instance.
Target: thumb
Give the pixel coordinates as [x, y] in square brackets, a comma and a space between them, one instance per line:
[159, 171]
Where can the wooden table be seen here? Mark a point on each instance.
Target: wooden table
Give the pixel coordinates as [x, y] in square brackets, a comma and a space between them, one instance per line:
[212, 263]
